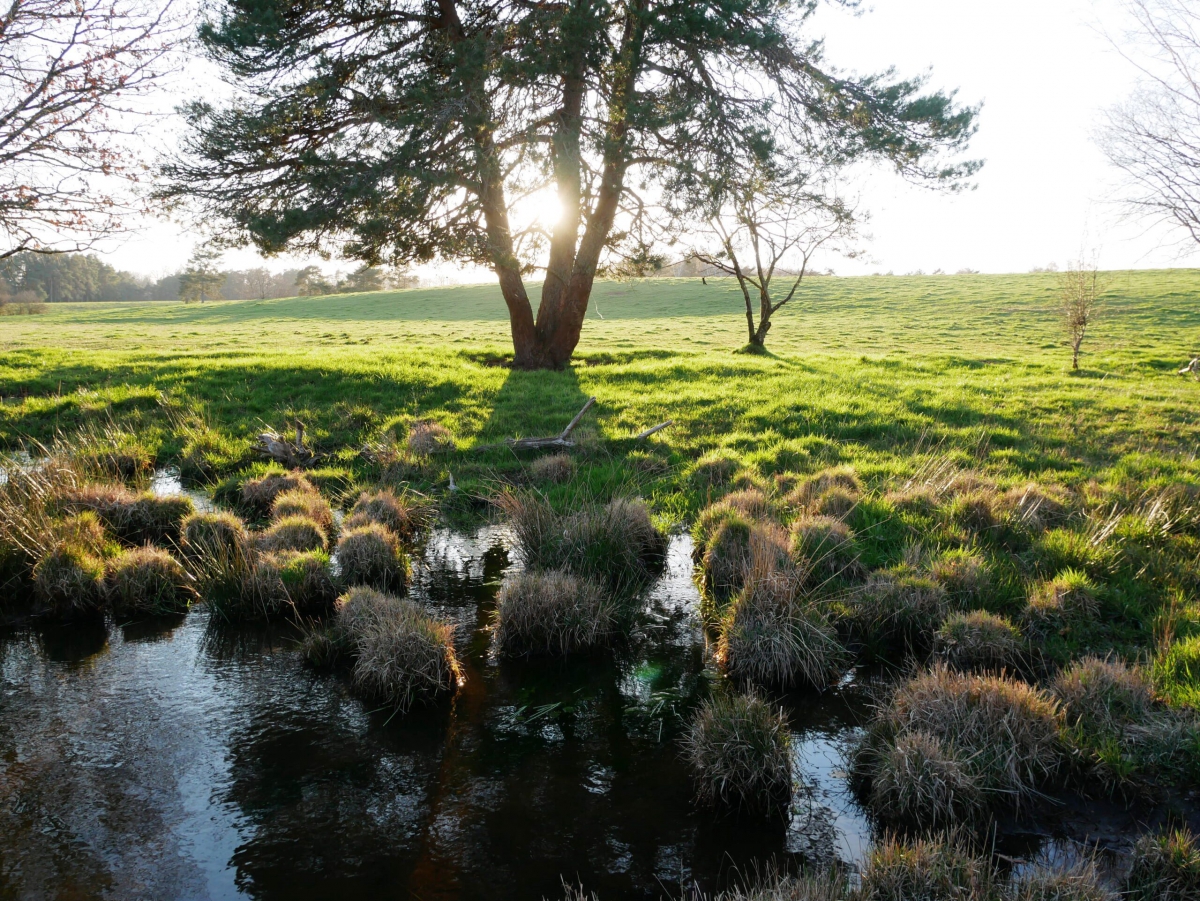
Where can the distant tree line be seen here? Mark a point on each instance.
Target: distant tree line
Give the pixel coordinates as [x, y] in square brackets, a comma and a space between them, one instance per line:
[85, 278]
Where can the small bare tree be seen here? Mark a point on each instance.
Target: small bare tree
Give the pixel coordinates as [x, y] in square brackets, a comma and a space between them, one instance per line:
[1079, 290]
[70, 73]
[1154, 137]
[767, 232]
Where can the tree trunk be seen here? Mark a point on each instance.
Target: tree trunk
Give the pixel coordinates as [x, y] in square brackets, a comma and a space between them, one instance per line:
[760, 337]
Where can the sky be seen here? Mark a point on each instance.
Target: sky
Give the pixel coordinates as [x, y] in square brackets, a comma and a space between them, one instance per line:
[1044, 71]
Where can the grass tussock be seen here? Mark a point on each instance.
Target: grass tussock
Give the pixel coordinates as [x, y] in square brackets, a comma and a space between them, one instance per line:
[1001, 732]
[426, 437]
[771, 635]
[1079, 881]
[293, 533]
[1035, 508]
[713, 470]
[258, 494]
[402, 514]
[133, 518]
[69, 582]
[615, 544]
[979, 642]
[553, 613]
[897, 613]
[739, 749]
[148, 580]
[553, 469]
[964, 574]
[212, 532]
[842, 481]
[402, 656]
[975, 511]
[1062, 603]
[942, 868]
[371, 555]
[1165, 867]
[824, 546]
[241, 582]
[308, 504]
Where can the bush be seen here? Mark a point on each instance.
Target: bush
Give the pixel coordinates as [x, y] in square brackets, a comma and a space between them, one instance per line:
[979, 641]
[68, 581]
[1002, 732]
[1035, 507]
[615, 544]
[552, 612]
[1166, 867]
[209, 533]
[554, 468]
[897, 613]
[371, 555]
[963, 574]
[259, 494]
[403, 515]
[739, 749]
[307, 504]
[934, 869]
[294, 533]
[770, 636]
[823, 546]
[1067, 600]
[401, 655]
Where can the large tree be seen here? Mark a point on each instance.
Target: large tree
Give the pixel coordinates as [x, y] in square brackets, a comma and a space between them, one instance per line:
[400, 131]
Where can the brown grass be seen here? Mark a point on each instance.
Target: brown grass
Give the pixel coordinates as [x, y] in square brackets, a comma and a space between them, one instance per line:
[294, 533]
[1165, 867]
[371, 555]
[979, 641]
[739, 749]
[809, 492]
[554, 612]
[964, 574]
[553, 468]
[259, 494]
[309, 504]
[403, 656]
[772, 636]
[1068, 600]
[942, 868]
[897, 613]
[133, 518]
[824, 546]
[148, 580]
[425, 438]
[205, 533]
[403, 514]
[69, 581]
[1035, 507]
[975, 511]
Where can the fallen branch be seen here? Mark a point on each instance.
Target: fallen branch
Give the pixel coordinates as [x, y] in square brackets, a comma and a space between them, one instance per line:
[641, 436]
[562, 439]
[1192, 367]
[290, 454]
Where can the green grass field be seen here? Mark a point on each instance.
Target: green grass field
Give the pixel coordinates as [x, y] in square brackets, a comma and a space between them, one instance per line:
[888, 375]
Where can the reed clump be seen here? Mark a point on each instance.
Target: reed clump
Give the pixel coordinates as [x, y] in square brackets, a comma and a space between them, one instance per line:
[371, 555]
[739, 749]
[943, 730]
[402, 514]
[772, 635]
[148, 580]
[979, 641]
[402, 656]
[1165, 867]
[553, 613]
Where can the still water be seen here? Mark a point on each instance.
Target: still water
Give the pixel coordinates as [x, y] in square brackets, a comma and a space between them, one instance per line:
[185, 759]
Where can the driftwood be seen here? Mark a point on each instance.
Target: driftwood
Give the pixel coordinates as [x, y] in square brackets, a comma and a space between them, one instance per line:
[291, 454]
[562, 439]
[640, 436]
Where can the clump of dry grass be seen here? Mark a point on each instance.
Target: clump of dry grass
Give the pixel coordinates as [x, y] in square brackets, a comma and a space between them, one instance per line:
[824, 546]
[303, 577]
[259, 494]
[83, 530]
[69, 581]
[553, 468]
[1104, 695]
[402, 514]
[941, 868]
[772, 636]
[371, 555]
[148, 580]
[739, 749]
[426, 437]
[133, 518]
[979, 641]
[752, 503]
[975, 511]
[1067, 600]
[897, 613]
[308, 504]
[713, 470]
[735, 549]
[553, 612]
[293, 533]
[402, 655]
[1079, 881]
[1165, 867]
[1003, 733]
[710, 520]
[615, 544]
[205, 533]
[842, 480]
[1035, 507]
[964, 574]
